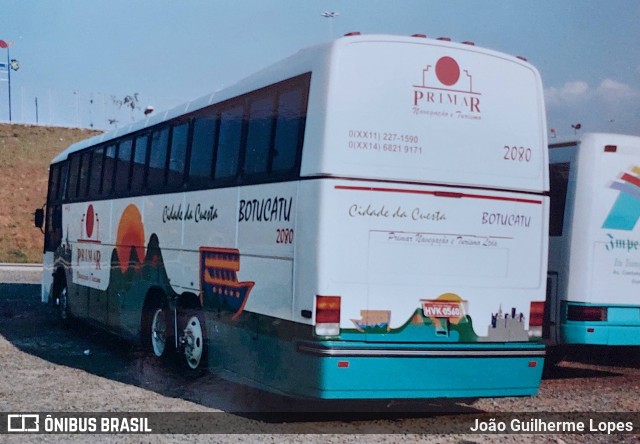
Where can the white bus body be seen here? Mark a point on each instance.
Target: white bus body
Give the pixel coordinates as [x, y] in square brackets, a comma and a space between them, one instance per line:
[594, 259]
[401, 260]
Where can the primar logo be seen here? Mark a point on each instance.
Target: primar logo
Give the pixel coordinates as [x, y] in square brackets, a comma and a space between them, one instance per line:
[625, 212]
[446, 90]
[88, 251]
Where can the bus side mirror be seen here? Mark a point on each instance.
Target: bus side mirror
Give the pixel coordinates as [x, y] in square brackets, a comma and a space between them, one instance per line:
[38, 218]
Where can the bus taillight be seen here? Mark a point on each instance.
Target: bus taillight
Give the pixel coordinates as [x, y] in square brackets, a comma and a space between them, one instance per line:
[327, 315]
[586, 313]
[536, 314]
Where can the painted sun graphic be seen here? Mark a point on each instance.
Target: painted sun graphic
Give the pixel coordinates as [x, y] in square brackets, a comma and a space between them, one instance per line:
[130, 235]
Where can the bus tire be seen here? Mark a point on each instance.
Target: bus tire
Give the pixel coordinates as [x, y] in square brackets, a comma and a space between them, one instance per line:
[156, 328]
[193, 341]
[61, 301]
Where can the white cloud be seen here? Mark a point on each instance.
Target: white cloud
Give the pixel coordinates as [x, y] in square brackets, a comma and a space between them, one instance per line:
[611, 106]
[569, 93]
[612, 90]
[576, 91]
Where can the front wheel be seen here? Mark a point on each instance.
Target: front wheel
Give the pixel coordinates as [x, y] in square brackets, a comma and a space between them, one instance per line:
[63, 305]
[61, 302]
[158, 331]
[156, 328]
[193, 348]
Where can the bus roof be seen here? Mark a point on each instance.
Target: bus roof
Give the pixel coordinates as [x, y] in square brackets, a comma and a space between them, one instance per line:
[313, 59]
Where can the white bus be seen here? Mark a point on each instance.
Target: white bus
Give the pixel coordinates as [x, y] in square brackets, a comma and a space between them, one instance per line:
[594, 256]
[365, 219]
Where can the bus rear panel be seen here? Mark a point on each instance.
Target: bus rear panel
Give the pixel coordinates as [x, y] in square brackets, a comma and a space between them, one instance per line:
[426, 276]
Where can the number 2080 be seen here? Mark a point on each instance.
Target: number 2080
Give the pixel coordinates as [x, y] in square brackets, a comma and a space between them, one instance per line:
[517, 153]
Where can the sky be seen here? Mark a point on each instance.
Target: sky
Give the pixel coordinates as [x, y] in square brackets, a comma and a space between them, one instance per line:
[100, 63]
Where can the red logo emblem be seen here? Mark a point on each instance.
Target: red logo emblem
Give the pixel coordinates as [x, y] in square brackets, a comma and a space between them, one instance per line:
[447, 71]
[446, 90]
[90, 221]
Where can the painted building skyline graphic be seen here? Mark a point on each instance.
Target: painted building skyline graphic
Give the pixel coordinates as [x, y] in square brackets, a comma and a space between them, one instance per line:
[625, 212]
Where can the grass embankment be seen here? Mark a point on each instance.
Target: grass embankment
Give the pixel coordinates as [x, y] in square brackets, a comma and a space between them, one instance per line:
[25, 154]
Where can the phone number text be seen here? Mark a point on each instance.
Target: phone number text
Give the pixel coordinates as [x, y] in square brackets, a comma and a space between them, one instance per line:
[384, 142]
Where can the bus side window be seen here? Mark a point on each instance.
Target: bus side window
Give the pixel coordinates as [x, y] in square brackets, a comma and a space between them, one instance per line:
[178, 154]
[73, 177]
[83, 186]
[139, 162]
[108, 170]
[96, 173]
[158, 158]
[259, 140]
[289, 127]
[53, 226]
[202, 146]
[229, 139]
[63, 184]
[558, 185]
[54, 182]
[123, 166]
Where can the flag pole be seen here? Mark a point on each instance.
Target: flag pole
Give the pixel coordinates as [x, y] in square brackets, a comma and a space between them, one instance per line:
[6, 45]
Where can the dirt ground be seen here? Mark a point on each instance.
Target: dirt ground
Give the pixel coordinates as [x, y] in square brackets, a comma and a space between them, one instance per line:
[25, 154]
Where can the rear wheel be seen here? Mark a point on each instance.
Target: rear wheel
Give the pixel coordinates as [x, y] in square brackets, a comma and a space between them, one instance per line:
[193, 350]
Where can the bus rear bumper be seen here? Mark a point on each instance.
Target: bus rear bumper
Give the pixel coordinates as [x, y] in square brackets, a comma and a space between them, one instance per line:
[597, 333]
[464, 371]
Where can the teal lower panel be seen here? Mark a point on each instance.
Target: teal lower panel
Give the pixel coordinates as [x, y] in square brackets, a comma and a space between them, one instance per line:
[419, 377]
[599, 333]
[465, 370]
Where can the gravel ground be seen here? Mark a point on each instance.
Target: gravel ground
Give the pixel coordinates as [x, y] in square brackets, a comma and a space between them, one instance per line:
[47, 368]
